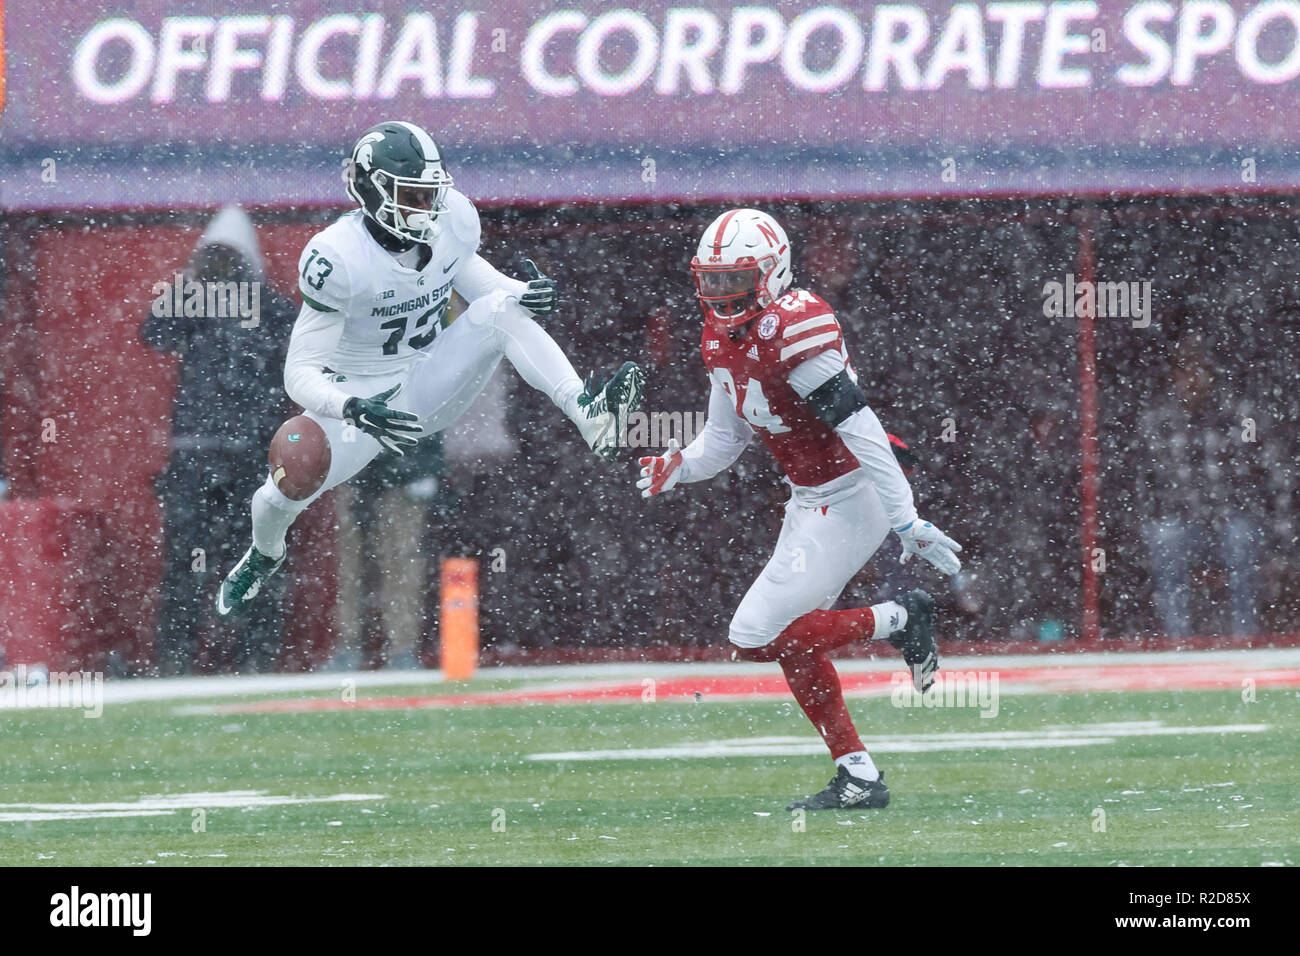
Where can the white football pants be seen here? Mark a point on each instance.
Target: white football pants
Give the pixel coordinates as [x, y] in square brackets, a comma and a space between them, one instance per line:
[818, 552]
[439, 388]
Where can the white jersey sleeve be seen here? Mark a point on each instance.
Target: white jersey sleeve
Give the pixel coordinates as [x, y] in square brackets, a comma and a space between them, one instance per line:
[477, 278]
[323, 278]
[314, 340]
[811, 375]
[721, 441]
[864, 436]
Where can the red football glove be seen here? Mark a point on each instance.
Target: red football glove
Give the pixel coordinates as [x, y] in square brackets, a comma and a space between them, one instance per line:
[660, 474]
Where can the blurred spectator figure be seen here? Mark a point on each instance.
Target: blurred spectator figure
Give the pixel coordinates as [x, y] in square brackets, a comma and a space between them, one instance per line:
[389, 559]
[229, 401]
[479, 451]
[830, 262]
[1038, 535]
[480, 442]
[1201, 494]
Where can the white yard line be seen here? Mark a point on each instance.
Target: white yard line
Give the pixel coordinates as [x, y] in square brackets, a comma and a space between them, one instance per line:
[166, 804]
[1049, 737]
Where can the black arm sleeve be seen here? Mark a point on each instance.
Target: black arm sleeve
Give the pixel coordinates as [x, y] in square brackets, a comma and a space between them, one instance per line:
[837, 399]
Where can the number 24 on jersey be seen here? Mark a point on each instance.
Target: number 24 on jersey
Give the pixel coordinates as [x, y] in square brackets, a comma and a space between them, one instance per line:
[752, 403]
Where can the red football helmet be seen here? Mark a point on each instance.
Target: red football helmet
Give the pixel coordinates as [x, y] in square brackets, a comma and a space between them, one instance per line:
[742, 267]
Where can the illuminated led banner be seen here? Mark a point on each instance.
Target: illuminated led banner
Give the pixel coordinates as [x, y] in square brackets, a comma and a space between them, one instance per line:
[937, 74]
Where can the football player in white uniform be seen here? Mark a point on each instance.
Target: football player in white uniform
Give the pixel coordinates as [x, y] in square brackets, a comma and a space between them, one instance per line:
[371, 358]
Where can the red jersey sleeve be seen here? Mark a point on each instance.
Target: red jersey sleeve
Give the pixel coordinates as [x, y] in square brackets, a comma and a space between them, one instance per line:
[801, 326]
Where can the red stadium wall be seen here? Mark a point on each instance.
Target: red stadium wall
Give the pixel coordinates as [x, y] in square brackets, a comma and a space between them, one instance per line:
[87, 427]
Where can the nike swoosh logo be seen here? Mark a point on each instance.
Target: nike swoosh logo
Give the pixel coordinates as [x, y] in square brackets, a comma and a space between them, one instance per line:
[295, 437]
[447, 269]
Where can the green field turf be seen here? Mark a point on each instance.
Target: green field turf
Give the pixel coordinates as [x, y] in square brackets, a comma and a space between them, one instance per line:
[447, 776]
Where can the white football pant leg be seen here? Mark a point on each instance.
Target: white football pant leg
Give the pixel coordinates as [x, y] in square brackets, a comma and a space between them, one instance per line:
[816, 556]
[351, 449]
[462, 359]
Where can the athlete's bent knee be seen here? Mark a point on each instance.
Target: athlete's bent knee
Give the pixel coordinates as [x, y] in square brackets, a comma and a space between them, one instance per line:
[488, 309]
[756, 632]
[740, 652]
[300, 458]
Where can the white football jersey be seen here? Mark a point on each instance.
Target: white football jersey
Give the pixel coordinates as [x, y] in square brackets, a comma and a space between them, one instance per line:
[391, 313]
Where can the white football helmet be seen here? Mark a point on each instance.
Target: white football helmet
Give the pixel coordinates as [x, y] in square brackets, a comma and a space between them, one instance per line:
[741, 267]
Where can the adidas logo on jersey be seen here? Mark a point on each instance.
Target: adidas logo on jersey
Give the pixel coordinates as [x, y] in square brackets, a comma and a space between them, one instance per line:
[753, 351]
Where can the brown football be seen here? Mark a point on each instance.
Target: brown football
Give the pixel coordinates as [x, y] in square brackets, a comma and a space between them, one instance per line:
[300, 458]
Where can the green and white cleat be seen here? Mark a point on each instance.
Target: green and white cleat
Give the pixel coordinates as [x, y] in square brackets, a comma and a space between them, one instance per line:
[608, 406]
[245, 580]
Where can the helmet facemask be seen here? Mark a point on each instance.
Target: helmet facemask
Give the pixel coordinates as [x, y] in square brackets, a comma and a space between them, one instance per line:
[730, 294]
[409, 207]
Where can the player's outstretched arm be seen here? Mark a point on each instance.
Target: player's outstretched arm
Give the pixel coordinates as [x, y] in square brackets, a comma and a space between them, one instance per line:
[715, 448]
[840, 403]
[475, 277]
[478, 277]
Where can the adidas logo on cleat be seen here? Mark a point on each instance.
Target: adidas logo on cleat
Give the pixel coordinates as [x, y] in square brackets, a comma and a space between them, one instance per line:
[853, 793]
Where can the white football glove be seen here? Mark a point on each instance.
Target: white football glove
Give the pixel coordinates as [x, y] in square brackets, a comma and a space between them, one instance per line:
[660, 474]
[924, 539]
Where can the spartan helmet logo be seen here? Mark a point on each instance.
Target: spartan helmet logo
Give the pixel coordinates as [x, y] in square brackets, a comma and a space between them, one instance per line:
[364, 154]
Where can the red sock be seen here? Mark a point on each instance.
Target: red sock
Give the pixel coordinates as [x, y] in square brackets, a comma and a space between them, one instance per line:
[802, 650]
[816, 686]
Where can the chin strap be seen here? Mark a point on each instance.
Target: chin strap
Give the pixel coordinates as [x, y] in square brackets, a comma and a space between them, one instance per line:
[385, 238]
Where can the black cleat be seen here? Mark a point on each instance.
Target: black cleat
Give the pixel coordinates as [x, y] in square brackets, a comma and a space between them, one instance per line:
[847, 792]
[607, 406]
[245, 581]
[916, 639]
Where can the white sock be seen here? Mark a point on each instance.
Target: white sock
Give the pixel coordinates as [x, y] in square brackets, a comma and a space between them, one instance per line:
[272, 515]
[891, 617]
[859, 764]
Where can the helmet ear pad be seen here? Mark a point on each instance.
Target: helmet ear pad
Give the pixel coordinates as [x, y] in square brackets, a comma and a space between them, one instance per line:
[386, 207]
[777, 279]
[774, 280]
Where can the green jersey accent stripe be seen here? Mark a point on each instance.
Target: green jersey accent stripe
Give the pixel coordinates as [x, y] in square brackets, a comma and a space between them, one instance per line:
[316, 305]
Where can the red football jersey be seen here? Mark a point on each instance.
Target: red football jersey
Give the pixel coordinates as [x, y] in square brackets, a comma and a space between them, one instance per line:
[755, 371]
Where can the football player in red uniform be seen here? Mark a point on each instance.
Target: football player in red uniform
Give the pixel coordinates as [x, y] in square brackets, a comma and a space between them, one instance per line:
[779, 368]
